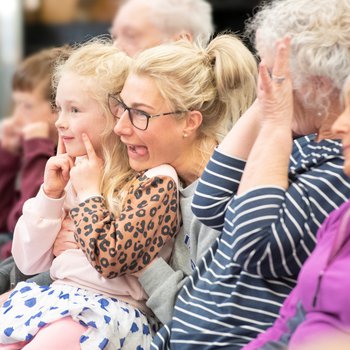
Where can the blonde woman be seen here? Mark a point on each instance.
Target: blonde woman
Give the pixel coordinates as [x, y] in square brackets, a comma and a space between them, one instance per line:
[177, 103]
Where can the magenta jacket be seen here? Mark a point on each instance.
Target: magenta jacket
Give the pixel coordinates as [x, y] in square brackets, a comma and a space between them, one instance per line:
[21, 177]
[319, 305]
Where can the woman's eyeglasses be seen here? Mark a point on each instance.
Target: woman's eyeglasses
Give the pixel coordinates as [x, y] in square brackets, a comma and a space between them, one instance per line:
[139, 119]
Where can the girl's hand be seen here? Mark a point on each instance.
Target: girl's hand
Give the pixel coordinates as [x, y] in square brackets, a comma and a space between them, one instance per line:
[56, 175]
[86, 175]
[275, 92]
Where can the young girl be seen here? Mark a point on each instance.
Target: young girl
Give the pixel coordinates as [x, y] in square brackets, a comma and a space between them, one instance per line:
[90, 171]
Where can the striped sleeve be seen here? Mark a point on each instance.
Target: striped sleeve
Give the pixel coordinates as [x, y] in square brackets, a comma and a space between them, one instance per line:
[216, 187]
[273, 231]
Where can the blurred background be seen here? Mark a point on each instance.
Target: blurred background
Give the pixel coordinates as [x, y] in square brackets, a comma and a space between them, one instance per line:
[27, 26]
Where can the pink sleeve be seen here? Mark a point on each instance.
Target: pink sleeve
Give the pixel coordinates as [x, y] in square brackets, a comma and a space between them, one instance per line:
[36, 231]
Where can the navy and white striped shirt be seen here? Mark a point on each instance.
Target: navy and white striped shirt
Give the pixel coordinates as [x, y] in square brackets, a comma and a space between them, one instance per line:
[267, 234]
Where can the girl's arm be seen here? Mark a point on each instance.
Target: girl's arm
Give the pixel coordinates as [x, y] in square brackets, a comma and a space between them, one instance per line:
[42, 218]
[127, 243]
[35, 233]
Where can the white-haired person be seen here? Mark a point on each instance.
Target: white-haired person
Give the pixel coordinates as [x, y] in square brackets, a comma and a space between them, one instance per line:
[265, 188]
[141, 24]
[316, 313]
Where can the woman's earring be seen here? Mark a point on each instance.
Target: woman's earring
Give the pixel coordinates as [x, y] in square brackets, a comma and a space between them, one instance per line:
[184, 135]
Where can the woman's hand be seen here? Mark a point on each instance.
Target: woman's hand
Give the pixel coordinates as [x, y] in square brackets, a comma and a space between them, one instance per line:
[56, 175]
[275, 92]
[86, 175]
[268, 161]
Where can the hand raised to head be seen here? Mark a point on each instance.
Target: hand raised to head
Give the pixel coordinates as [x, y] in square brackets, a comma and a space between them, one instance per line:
[275, 92]
[86, 175]
[56, 175]
[61, 148]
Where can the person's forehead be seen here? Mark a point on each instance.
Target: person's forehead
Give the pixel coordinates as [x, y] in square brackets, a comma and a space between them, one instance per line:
[34, 94]
[134, 12]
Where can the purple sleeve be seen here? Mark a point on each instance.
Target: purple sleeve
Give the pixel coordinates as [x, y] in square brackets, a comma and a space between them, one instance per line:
[9, 167]
[36, 153]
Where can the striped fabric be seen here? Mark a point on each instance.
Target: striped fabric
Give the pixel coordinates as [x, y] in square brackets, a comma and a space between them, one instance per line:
[236, 291]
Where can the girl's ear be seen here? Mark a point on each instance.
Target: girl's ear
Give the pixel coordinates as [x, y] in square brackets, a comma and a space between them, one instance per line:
[194, 120]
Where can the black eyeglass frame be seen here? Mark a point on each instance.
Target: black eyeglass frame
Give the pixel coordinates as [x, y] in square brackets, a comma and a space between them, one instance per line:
[148, 116]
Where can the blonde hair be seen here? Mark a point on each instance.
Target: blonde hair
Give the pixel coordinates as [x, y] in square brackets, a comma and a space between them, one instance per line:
[218, 80]
[320, 45]
[105, 69]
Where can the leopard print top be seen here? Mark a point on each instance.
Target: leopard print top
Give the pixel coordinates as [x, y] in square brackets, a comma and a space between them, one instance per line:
[126, 244]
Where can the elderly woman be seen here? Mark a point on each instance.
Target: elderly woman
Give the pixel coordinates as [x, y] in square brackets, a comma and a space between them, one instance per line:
[316, 313]
[265, 188]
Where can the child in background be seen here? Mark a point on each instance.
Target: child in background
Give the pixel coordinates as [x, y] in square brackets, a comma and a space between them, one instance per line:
[28, 137]
[89, 178]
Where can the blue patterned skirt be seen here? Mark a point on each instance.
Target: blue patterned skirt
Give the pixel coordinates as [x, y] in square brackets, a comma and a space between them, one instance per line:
[111, 324]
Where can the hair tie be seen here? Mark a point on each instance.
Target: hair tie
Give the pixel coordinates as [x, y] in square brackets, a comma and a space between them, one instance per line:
[207, 60]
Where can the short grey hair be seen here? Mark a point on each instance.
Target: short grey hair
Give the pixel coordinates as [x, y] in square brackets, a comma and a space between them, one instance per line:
[174, 16]
[320, 37]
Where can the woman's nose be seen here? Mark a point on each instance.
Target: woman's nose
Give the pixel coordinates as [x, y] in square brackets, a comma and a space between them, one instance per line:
[123, 125]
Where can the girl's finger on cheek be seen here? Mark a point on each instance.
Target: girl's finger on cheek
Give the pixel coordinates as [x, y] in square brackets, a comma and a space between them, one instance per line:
[61, 148]
[90, 151]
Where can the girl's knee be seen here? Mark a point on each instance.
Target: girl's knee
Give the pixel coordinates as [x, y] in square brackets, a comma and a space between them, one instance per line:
[62, 334]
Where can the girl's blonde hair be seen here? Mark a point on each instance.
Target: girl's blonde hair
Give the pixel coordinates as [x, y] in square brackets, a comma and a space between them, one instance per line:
[105, 69]
[219, 80]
